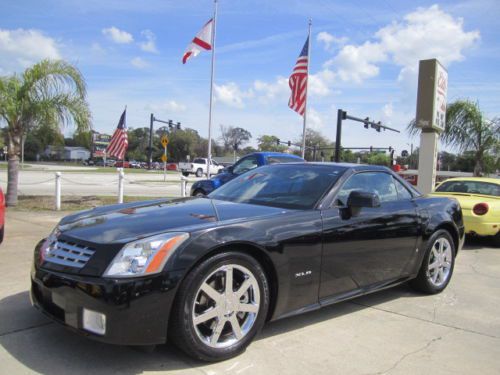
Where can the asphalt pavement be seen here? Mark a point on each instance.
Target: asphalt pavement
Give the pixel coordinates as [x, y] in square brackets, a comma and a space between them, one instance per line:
[396, 331]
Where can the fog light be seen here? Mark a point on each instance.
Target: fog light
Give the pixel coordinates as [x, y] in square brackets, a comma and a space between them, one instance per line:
[94, 322]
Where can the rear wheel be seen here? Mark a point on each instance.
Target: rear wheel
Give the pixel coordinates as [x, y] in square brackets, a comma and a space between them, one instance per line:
[220, 307]
[199, 172]
[437, 266]
[199, 193]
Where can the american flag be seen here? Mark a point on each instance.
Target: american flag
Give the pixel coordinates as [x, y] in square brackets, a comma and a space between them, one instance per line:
[119, 141]
[298, 82]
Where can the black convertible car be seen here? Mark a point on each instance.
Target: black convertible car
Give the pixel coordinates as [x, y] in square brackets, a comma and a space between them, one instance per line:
[207, 273]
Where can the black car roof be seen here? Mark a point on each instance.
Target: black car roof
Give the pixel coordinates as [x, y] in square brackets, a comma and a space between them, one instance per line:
[353, 166]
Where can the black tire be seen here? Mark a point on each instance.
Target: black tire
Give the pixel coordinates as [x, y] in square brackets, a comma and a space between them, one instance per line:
[423, 282]
[199, 172]
[185, 174]
[182, 331]
[199, 193]
[2, 233]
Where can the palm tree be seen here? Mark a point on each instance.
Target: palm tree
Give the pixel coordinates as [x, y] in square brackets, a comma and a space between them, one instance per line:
[50, 92]
[468, 129]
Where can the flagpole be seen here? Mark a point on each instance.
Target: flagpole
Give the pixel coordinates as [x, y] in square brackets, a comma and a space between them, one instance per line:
[209, 161]
[307, 90]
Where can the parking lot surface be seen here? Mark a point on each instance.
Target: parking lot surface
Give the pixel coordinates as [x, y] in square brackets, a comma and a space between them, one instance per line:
[396, 331]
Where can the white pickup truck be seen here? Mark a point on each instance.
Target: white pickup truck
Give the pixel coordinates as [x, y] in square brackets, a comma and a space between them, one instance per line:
[199, 167]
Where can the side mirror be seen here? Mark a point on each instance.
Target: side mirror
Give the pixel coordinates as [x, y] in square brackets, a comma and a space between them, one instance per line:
[359, 199]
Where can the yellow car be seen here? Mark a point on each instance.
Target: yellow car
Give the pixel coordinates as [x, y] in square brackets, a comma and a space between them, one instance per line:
[480, 201]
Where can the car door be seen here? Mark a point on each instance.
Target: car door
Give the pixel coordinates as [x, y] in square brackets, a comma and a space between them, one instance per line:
[371, 247]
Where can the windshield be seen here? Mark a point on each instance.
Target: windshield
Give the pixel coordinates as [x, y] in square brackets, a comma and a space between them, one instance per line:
[295, 186]
[469, 187]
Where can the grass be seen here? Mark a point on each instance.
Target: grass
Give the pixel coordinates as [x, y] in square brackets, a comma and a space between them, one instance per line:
[71, 203]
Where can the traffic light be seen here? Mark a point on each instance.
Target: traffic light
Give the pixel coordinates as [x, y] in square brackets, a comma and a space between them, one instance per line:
[371, 148]
[378, 126]
[366, 122]
[289, 143]
[277, 141]
[178, 126]
[170, 124]
[390, 149]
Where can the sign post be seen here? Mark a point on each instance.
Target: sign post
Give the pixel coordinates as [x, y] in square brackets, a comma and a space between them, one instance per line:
[431, 118]
[164, 142]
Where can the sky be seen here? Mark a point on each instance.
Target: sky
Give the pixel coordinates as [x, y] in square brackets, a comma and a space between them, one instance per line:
[364, 59]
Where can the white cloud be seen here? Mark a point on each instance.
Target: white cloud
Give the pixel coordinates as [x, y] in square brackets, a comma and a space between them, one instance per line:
[314, 119]
[231, 95]
[357, 63]
[139, 63]
[330, 41]
[424, 33]
[169, 106]
[21, 48]
[149, 45]
[118, 36]
[278, 89]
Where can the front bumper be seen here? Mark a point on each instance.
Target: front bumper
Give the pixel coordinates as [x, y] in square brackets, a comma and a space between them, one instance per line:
[137, 311]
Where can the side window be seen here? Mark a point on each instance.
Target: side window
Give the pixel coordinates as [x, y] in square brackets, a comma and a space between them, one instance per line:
[403, 193]
[245, 165]
[379, 183]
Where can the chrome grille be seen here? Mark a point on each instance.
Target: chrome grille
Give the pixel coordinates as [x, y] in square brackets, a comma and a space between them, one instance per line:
[69, 254]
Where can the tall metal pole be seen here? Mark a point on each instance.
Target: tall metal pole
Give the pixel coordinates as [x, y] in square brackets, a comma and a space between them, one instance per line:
[307, 90]
[340, 117]
[150, 151]
[209, 154]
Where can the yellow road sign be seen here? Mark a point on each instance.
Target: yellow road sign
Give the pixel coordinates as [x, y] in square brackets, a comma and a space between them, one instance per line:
[164, 158]
[164, 141]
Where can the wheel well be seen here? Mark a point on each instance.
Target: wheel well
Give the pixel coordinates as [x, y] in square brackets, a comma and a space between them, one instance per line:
[258, 255]
[453, 233]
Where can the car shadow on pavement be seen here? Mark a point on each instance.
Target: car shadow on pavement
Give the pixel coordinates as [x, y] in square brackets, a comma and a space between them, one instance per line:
[477, 243]
[48, 348]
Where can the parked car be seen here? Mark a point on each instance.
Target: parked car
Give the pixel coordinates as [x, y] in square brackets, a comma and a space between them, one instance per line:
[2, 215]
[246, 163]
[207, 273]
[122, 164]
[479, 198]
[172, 167]
[198, 167]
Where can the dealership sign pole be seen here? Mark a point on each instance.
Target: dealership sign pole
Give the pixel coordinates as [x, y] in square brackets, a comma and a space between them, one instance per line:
[431, 118]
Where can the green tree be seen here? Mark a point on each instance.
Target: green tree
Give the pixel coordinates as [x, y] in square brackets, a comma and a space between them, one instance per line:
[467, 129]
[315, 138]
[233, 136]
[49, 92]
[83, 138]
[270, 143]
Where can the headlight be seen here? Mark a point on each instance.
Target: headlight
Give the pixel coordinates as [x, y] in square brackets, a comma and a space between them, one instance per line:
[45, 248]
[146, 256]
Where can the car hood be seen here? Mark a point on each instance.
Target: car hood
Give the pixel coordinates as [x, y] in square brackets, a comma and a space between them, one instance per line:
[127, 222]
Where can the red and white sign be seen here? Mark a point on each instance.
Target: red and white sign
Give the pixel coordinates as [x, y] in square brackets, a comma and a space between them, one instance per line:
[441, 90]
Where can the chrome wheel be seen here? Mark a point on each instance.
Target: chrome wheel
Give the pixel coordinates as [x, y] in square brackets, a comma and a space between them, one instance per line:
[226, 306]
[440, 261]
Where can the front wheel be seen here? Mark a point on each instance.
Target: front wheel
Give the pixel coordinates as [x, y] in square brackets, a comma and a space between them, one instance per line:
[220, 307]
[437, 266]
